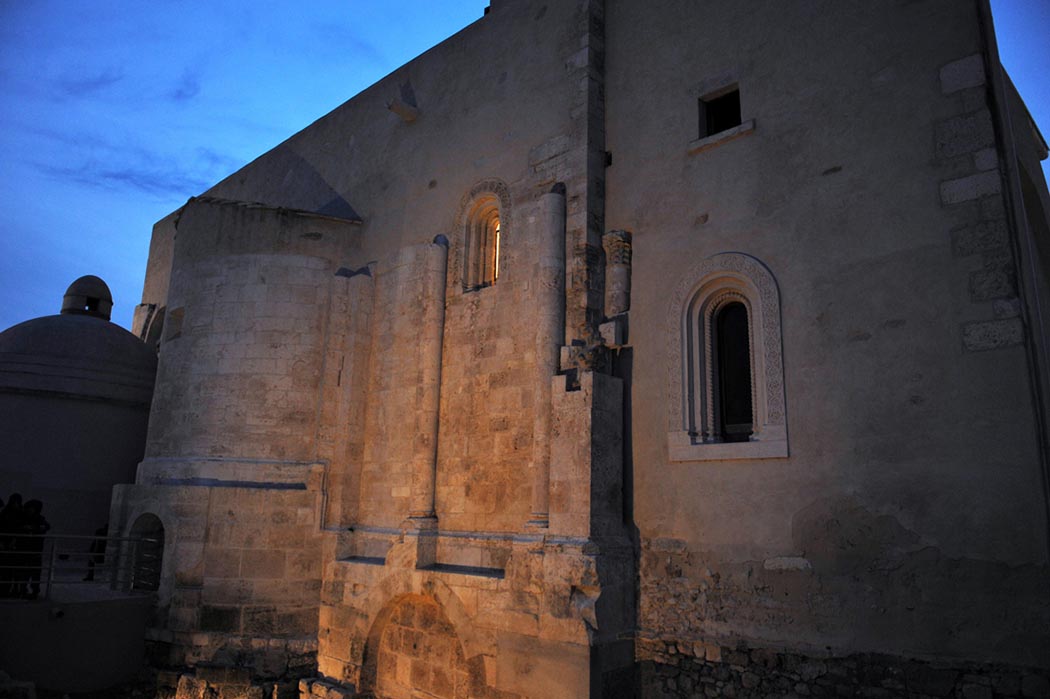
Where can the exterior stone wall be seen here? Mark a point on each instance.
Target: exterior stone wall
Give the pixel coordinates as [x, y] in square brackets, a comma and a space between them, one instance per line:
[689, 594]
[395, 445]
[489, 396]
[875, 201]
[243, 340]
[241, 574]
[350, 448]
[236, 464]
[708, 669]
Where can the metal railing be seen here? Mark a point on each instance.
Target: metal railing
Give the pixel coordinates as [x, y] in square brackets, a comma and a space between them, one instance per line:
[32, 566]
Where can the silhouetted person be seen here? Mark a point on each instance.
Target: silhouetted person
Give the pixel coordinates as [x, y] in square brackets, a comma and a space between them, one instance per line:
[10, 559]
[97, 550]
[35, 525]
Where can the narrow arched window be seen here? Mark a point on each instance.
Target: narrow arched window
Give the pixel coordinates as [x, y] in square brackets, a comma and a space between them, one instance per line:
[147, 534]
[732, 366]
[482, 243]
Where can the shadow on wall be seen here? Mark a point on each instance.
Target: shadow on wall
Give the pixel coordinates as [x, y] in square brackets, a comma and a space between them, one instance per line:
[290, 182]
[860, 575]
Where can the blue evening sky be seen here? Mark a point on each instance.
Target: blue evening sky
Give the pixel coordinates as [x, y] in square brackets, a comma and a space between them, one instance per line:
[114, 112]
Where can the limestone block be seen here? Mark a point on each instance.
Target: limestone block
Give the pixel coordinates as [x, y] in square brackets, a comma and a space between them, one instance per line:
[286, 537]
[259, 563]
[189, 564]
[992, 334]
[962, 73]
[1007, 308]
[982, 237]
[997, 280]
[968, 133]
[226, 591]
[787, 563]
[554, 147]
[224, 675]
[222, 563]
[613, 332]
[221, 619]
[192, 688]
[970, 187]
[986, 159]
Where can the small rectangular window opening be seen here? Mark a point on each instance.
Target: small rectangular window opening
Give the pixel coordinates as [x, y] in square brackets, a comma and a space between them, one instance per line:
[719, 112]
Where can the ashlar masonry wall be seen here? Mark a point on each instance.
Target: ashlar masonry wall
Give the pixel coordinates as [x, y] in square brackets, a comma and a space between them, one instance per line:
[236, 465]
[870, 185]
[411, 418]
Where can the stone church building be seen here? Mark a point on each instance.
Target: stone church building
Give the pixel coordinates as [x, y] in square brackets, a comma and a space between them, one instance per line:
[615, 348]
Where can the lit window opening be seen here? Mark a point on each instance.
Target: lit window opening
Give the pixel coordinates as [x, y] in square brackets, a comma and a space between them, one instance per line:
[495, 257]
[483, 243]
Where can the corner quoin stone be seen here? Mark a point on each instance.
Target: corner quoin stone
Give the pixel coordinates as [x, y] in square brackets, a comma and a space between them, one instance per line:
[963, 73]
[992, 334]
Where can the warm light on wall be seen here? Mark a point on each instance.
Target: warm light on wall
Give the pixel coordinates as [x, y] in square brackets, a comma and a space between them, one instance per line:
[495, 261]
[482, 240]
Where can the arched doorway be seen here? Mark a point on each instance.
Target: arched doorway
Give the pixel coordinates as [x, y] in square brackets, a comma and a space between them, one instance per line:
[148, 552]
[413, 651]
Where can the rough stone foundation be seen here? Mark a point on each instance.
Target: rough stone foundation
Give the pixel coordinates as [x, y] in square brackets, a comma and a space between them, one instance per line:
[211, 682]
[712, 670]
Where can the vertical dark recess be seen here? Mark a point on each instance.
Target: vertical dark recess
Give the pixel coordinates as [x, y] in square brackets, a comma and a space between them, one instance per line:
[734, 373]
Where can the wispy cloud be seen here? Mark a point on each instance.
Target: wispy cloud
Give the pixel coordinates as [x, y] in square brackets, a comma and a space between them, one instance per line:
[339, 39]
[158, 182]
[96, 161]
[216, 162]
[187, 88]
[88, 84]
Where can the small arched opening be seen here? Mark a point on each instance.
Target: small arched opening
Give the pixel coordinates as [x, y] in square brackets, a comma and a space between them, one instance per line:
[148, 551]
[482, 236]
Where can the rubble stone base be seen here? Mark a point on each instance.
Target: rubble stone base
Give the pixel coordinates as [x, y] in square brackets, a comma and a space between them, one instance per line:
[209, 682]
[706, 669]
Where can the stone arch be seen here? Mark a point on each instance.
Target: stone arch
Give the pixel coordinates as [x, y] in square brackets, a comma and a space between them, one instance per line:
[376, 604]
[487, 201]
[412, 649]
[475, 644]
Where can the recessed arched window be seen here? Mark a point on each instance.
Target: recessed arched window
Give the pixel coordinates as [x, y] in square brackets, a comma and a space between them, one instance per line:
[727, 372]
[482, 239]
[481, 244]
[732, 372]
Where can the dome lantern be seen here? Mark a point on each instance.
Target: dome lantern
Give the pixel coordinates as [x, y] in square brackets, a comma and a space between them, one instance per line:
[90, 296]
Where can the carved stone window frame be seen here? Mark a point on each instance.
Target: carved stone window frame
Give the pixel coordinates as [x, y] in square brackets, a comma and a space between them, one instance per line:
[474, 259]
[711, 284]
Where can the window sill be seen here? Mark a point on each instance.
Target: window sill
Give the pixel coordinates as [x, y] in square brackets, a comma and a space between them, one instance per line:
[681, 448]
[709, 142]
